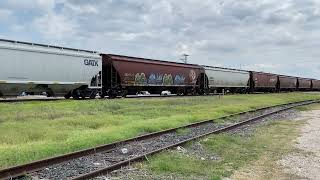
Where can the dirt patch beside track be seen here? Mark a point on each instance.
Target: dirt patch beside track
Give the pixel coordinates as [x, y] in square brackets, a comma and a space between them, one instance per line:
[306, 163]
[303, 161]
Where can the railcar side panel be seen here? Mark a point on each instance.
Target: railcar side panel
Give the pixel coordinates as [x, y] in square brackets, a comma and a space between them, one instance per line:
[264, 80]
[288, 82]
[129, 75]
[316, 84]
[138, 72]
[304, 83]
[227, 78]
[143, 74]
[27, 68]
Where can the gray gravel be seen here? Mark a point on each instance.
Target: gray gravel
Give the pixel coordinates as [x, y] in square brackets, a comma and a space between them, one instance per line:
[90, 163]
[196, 150]
[306, 163]
[249, 129]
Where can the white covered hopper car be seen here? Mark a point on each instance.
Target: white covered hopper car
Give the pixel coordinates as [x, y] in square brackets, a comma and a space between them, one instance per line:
[56, 71]
[232, 80]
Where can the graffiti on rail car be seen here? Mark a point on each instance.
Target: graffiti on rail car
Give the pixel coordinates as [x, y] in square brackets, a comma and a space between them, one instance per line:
[167, 79]
[140, 79]
[156, 79]
[179, 80]
[193, 76]
[129, 78]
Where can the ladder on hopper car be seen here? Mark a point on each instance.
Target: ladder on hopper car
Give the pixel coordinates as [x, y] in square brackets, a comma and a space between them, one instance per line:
[112, 81]
[113, 77]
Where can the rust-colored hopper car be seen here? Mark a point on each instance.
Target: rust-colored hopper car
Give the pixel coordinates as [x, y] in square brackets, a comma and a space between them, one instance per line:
[263, 82]
[315, 84]
[304, 84]
[128, 75]
[288, 83]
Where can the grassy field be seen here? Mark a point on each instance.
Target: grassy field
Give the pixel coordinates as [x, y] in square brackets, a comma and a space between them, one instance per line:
[35, 130]
[235, 152]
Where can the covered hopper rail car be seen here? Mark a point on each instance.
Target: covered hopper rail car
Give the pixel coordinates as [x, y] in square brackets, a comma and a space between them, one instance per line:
[231, 80]
[55, 71]
[129, 75]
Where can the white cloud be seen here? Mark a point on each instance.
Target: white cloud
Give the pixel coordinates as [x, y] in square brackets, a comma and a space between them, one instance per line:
[53, 26]
[18, 28]
[5, 14]
[182, 48]
[82, 9]
[30, 4]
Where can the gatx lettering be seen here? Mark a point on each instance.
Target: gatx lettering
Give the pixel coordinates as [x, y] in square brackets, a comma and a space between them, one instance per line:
[89, 62]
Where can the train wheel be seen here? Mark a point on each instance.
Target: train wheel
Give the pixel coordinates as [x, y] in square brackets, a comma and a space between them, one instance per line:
[50, 93]
[113, 96]
[75, 94]
[102, 96]
[124, 93]
[82, 95]
[67, 96]
[93, 95]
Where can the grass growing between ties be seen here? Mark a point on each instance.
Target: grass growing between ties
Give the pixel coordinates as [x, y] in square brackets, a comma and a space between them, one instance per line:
[35, 130]
[235, 152]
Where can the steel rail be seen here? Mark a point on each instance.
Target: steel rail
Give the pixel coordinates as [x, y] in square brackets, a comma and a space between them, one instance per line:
[20, 170]
[14, 100]
[88, 99]
[28, 100]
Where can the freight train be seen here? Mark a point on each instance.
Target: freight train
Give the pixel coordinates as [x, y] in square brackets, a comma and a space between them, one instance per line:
[59, 71]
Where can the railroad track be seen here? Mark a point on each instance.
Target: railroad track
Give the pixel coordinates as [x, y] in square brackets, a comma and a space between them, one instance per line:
[93, 162]
[14, 100]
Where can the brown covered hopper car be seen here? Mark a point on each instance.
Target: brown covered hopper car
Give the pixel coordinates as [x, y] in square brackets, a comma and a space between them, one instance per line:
[261, 81]
[315, 84]
[288, 82]
[304, 84]
[128, 75]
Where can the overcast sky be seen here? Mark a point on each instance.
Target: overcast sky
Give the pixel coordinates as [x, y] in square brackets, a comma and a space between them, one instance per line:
[281, 36]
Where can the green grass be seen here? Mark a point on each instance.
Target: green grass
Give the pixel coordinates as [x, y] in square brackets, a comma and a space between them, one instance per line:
[35, 130]
[309, 107]
[235, 152]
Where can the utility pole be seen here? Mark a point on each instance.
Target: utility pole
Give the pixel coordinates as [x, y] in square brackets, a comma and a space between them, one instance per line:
[185, 58]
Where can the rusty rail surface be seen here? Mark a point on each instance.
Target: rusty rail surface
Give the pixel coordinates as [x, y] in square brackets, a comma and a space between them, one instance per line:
[24, 169]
